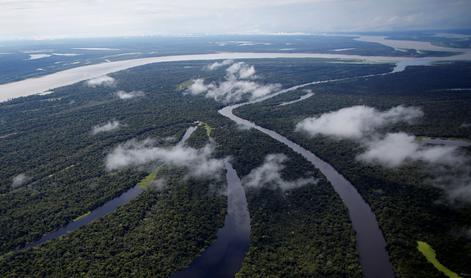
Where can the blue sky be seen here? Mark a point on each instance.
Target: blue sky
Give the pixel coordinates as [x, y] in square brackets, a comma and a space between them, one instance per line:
[93, 18]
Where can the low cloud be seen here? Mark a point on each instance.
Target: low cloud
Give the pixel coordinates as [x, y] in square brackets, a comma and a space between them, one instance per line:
[19, 180]
[129, 95]
[106, 127]
[465, 125]
[198, 162]
[159, 184]
[236, 86]
[104, 80]
[241, 70]
[217, 65]
[448, 167]
[357, 122]
[269, 175]
[395, 149]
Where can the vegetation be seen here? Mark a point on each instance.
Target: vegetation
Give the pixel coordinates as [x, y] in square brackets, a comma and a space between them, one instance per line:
[146, 182]
[82, 216]
[406, 205]
[431, 256]
[208, 128]
[305, 231]
[154, 235]
[302, 232]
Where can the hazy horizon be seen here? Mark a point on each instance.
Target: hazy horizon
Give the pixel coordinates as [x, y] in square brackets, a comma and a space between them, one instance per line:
[49, 19]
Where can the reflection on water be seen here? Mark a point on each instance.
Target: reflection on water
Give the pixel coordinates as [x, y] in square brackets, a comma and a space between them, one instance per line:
[371, 244]
[224, 257]
[97, 213]
[101, 211]
[67, 77]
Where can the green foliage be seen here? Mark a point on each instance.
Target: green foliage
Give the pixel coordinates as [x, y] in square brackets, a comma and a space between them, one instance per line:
[405, 204]
[82, 216]
[431, 256]
[154, 235]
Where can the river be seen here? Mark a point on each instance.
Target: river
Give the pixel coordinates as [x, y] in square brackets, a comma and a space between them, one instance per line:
[370, 241]
[371, 244]
[49, 82]
[101, 211]
[224, 257]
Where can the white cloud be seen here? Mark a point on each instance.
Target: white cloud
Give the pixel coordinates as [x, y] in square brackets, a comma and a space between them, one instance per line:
[240, 70]
[106, 127]
[269, 175]
[235, 87]
[217, 65]
[356, 122]
[448, 167]
[19, 180]
[198, 162]
[104, 80]
[395, 149]
[129, 95]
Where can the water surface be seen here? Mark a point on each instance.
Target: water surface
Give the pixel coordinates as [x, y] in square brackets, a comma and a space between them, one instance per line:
[371, 245]
[223, 259]
[48, 82]
[101, 211]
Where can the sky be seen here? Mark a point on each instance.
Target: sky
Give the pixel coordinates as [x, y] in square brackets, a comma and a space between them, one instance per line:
[98, 18]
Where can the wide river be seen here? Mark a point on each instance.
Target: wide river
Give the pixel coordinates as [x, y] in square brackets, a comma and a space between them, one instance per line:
[370, 241]
[48, 82]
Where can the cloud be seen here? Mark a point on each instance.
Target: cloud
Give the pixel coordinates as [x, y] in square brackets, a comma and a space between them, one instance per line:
[106, 127]
[19, 180]
[235, 86]
[357, 122]
[240, 70]
[198, 162]
[269, 175]
[104, 80]
[129, 95]
[448, 168]
[159, 184]
[217, 65]
[395, 149]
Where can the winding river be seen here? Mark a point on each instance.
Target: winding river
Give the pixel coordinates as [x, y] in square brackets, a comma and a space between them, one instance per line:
[233, 237]
[371, 244]
[224, 257]
[49, 82]
[101, 211]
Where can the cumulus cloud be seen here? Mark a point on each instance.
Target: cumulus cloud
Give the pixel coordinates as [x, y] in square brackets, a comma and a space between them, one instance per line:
[395, 149]
[235, 87]
[241, 70]
[217, 65]
[198, 162]
[269, 175]
[448, 167]
[129, 95]
[19, 180]
[357, 121]
[104, 80]
[106, 127]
